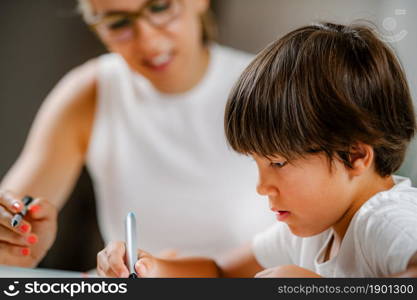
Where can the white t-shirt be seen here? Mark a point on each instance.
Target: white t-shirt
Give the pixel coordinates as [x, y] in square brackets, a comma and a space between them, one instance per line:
[165, 157]
[380, 240]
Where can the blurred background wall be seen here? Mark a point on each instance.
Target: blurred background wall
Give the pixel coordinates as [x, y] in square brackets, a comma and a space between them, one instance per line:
[39, 42]
[42, 40]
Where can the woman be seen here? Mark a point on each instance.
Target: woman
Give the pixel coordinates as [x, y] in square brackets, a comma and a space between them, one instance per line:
[146, 119]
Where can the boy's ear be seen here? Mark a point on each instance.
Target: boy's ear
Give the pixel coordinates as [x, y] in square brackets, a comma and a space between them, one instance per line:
[361, 158]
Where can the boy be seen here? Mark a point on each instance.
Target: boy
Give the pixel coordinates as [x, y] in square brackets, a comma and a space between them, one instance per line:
[327, 115]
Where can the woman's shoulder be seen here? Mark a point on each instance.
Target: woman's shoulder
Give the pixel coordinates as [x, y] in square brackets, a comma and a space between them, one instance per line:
[231, 57]
[77, 87]
[236, 54]
[227, 65]
[71, 103]
[110, 59]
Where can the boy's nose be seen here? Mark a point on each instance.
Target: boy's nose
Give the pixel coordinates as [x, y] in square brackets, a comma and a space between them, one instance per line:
[264, 189]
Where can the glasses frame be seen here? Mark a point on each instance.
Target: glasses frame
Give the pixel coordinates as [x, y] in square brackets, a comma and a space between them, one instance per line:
[97, 20]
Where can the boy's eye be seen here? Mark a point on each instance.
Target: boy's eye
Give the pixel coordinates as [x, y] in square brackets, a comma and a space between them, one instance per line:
[278, 164]
[120, 23]
[159, 6]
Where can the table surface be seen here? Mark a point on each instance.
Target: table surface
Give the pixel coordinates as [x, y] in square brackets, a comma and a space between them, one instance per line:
[16, 272]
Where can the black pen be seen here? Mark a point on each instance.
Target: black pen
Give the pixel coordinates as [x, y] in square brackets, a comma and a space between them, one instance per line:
[17, 218]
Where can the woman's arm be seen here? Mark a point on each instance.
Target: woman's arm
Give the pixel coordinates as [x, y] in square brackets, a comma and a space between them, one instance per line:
[47, 168]
[53, 155]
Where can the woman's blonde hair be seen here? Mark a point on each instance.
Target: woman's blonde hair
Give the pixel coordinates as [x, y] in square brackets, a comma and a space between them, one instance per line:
[208, 21]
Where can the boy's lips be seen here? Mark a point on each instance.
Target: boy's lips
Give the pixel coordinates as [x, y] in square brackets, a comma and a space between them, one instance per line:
[281, 215]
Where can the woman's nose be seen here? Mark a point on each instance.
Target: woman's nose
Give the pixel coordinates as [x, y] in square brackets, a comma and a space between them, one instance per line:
[145, 31]
[148, 37]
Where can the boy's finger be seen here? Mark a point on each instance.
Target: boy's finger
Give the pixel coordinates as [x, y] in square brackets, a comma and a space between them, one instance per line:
[103, 267]
[168, 254]
[117, 265]
[263, 273]
[144, 267]
[116, 258]
[143, 254]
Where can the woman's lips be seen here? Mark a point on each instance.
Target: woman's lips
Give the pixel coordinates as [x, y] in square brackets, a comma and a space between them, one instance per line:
[281, 215]
[160, 62]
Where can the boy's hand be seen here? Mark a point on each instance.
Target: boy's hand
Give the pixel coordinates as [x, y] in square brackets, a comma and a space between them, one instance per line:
[286, 271]
[111, 262]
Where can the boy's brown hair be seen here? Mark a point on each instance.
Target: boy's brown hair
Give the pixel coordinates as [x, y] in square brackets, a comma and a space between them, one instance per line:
[323, 88]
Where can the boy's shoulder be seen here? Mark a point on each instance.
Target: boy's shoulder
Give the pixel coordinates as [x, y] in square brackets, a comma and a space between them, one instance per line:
[389, 207]
[384, 227]
[400, 197]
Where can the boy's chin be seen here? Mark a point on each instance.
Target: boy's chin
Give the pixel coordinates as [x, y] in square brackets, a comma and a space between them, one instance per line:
[305, 232]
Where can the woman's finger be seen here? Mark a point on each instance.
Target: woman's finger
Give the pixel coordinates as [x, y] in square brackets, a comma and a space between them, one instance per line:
[10, 202]
[40, 208]
[9, 250]
[11, 237]
[24, 227]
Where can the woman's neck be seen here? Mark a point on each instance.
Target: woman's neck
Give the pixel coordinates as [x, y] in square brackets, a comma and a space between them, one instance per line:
[188, 79]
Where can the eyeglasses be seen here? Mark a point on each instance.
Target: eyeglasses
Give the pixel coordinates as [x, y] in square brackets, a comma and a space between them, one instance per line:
[119, 26]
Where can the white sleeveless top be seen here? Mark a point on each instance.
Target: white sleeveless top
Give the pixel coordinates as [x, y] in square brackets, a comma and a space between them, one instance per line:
[165, 158]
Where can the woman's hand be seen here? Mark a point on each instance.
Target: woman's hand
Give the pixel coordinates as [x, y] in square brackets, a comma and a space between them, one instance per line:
[26, 244]
[286, 271]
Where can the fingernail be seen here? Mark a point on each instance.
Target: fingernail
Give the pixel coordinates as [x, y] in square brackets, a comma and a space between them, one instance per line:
[34, 208]
[24, 228]
[25, 251]
[142, 268]
[124, 274]
[16, 206]
[32, 239]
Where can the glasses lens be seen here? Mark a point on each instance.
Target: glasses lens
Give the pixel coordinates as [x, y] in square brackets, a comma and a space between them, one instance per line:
[116, 28]
[119, 23]
[161, 12]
